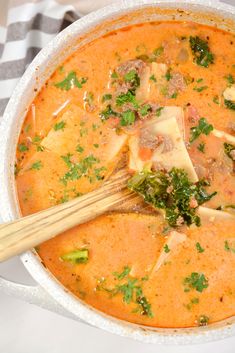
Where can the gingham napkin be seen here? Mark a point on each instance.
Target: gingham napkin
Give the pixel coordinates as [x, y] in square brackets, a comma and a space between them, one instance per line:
[26, 26]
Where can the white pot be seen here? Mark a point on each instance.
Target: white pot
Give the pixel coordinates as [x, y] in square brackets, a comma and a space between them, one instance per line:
[50, 293]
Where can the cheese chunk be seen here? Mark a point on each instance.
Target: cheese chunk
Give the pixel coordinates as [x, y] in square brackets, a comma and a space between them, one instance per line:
[229, 93]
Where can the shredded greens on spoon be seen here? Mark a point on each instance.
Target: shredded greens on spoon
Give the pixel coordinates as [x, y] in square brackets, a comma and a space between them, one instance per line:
[173, 192]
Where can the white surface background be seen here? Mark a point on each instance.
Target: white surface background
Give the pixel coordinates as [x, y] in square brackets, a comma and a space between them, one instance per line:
[25, 328]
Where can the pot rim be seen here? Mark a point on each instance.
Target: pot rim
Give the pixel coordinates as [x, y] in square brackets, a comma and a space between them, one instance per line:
[30, 260]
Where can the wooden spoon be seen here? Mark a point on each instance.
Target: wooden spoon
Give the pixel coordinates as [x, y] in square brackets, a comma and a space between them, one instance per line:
[27, 232]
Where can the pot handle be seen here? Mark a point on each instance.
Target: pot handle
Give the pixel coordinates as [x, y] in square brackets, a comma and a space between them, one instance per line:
[34, 295]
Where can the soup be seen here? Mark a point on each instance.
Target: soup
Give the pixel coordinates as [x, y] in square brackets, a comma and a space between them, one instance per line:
[157, 100]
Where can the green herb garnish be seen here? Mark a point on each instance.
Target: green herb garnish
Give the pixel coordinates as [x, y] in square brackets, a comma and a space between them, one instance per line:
[216, 99]
[22, 147]
[201, 147]
[59, 126]
[128, 118]
[158, 51]
[153, 78]
[168, 75]
[76, 256]
[106, 97]
[229, 104]
[199, 248]
[228, 247]
[123, 274]
[107, 113]
[202, 128]
[196, 281]
[128, 97]
[36, 165]
[228, 148]
[133, 78]
[203, 320]
[166, 248]
[159, 111]
[71, 81]
[200, 89]
[200, 49]
[131, 290]
[230, 79]
[144, 109]
[79, 149]
[154, 186]
[80, 169]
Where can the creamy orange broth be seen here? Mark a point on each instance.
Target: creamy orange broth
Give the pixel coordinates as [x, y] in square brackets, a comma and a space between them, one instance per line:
[175, 276]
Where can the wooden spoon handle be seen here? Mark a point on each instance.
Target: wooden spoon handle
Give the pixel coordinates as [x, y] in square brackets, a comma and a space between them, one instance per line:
[27, 232]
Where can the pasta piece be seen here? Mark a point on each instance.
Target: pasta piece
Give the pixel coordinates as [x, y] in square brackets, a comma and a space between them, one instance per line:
[212, 215]
[175, 155]
[169, 248]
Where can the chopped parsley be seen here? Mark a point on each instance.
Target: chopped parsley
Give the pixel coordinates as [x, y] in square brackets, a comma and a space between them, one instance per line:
[229, 104]
[76, 256]
[201, 147]
[193, 301]
[114, 74]
[203, 320]
[123, 274]
[36, 165]
[158, 51]
[154, 186]
[71, 81]
[80, 169]
[200, 49]
[195, 281]
[144, 109]
[124, 98]
[106, 97]
[96, 145]
[216, 99]
[228, 148]
[79, 149]
[166, 248]
[59, 126]
[107, 113]
[228, 247]
[230, 79]
[131, 290]
[159, 111]
[168, 75]
[203, 128]
[128, 118]
[133, 78]
[200, 89]
[22, 147]
[153, 78]
[174, 95]
[199, 248]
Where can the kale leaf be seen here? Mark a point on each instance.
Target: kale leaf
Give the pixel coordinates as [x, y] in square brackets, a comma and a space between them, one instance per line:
[202, 55]
[173, 192]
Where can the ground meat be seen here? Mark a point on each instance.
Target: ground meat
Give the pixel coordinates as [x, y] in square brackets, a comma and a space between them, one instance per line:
[231, 126]
[176, 83]
[129, 65]
[192, 114]
[193, 203]
[123, 69]
[201, 171]
[151, 112]
[149, 140]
